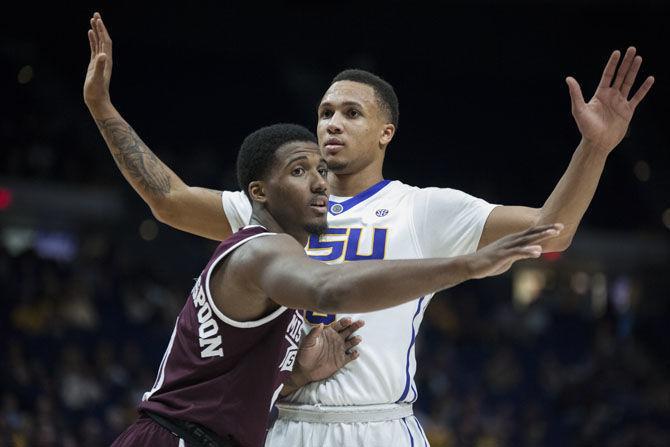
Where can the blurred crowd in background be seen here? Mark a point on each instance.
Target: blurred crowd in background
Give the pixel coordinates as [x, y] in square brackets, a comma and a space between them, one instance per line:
[81, 341]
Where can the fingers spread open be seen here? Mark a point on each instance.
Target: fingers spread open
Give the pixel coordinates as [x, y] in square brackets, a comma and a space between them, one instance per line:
[353, 327]
[517, 254]
[624, 68]
[537, 229]
[353, 341]
[534, 235]
[576, 96]
[341, 324]
[552, 226]
[610, 69]
[642, 91]
[529, 251]
[351, 356]
[630, 76]
[536, 238]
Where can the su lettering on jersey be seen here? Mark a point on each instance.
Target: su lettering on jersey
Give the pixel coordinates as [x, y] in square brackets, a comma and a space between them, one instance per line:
[344, 243]
[208, 328]
[337, 243]
[293, 335]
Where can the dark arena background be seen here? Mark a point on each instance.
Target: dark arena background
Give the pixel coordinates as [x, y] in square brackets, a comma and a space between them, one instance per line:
[566, 350]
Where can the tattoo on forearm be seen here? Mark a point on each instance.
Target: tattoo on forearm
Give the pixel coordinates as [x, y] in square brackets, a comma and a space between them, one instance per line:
[134, 158]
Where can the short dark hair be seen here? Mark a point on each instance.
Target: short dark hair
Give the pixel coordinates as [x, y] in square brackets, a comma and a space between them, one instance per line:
[256, 154]
[384, 92]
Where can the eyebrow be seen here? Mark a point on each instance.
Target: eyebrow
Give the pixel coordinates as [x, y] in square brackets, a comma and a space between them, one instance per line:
[294, 159]
[303, 157]
[346, 103]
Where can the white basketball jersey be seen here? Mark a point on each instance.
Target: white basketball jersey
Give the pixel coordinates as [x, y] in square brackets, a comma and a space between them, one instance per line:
[390, 220]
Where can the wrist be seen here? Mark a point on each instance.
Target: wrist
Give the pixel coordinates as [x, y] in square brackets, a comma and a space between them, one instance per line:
[298, 378]
[100, 108]
[467, 266]
[593, 149]
[294, 381]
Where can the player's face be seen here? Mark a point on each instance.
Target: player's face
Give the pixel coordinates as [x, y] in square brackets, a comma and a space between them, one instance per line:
[297, 188]
[351, 127]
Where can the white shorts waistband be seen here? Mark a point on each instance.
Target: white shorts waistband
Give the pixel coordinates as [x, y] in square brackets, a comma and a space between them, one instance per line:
[343, 414]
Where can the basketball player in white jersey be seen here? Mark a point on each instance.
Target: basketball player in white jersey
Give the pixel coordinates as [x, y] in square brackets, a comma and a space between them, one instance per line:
[369, 402]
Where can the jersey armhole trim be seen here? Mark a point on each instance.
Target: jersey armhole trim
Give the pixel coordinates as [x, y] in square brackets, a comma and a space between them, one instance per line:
[217, 311]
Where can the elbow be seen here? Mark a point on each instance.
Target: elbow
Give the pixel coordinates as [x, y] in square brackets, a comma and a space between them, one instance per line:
[165, 211]
[558, 245]
[172, 207]
[162, 213]
[565, 243]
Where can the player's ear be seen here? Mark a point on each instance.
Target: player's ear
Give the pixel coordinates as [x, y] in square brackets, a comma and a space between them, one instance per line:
[257, 191]
[387, 134]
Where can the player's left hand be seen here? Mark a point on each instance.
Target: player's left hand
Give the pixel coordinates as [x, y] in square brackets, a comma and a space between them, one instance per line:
[326, 349]
[604, 120]
[99, 71]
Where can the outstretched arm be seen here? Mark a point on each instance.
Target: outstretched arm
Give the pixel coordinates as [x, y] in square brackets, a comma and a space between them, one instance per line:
[279, 268]
[191, 209]
[603, 122]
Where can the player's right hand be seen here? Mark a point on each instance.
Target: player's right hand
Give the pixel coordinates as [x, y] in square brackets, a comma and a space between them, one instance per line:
[325, 350]
[498, 257]
[99, 72]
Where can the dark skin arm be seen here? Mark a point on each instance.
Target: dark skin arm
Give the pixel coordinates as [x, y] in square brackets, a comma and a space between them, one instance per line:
[322, 352]
[277, 267]
[274, 270]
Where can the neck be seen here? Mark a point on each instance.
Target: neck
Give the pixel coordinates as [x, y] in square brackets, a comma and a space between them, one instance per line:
[261, 216]
[348, 185]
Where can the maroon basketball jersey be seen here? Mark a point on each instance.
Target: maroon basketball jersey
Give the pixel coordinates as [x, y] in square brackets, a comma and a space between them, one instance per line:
[223, 374]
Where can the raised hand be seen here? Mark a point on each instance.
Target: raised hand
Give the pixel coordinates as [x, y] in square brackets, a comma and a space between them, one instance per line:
[499, 256]
[99, 72]
[603, 120]
[326, 349]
